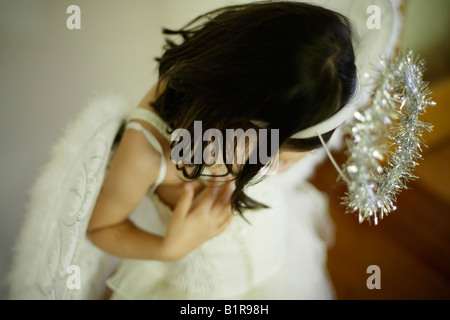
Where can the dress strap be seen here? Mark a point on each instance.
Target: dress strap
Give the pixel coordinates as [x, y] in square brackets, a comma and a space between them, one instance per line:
[151, 118]
[155, 143]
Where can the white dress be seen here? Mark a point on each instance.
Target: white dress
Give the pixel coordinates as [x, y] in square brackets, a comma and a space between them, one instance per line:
[281, 254]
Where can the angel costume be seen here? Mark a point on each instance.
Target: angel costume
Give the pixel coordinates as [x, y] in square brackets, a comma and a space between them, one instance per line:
[281, 254]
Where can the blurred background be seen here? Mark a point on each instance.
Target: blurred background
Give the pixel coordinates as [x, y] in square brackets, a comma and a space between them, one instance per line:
[412, 245]
[47, 73]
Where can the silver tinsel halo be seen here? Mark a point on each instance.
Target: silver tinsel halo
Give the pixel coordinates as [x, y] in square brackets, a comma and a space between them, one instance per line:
[387, 130]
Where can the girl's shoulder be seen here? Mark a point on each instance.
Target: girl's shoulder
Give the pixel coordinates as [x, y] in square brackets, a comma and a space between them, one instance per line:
[134, 154]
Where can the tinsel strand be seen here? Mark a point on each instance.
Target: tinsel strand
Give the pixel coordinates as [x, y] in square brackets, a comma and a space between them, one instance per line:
[400, 97]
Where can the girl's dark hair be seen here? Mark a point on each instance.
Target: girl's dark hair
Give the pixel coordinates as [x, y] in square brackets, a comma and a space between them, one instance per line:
[288, 64]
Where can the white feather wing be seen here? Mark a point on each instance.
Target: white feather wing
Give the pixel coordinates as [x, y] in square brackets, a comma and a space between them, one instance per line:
[53, 259]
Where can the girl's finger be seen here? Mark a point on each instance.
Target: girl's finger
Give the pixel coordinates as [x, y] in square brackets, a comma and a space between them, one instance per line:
[206, 197]
[226, 221]
[185, 201]
[225, 212]
[224, 195]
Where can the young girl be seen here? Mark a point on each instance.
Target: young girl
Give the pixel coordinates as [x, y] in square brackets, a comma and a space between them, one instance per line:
[227, 232]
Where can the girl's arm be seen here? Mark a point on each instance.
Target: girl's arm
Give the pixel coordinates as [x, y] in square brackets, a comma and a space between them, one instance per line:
[133, 170]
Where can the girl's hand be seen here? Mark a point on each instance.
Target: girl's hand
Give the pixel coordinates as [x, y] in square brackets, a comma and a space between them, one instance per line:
[196, 220]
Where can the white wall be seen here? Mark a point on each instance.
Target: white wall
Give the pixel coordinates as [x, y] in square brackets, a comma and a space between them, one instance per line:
[427, 32]
[48, 72]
